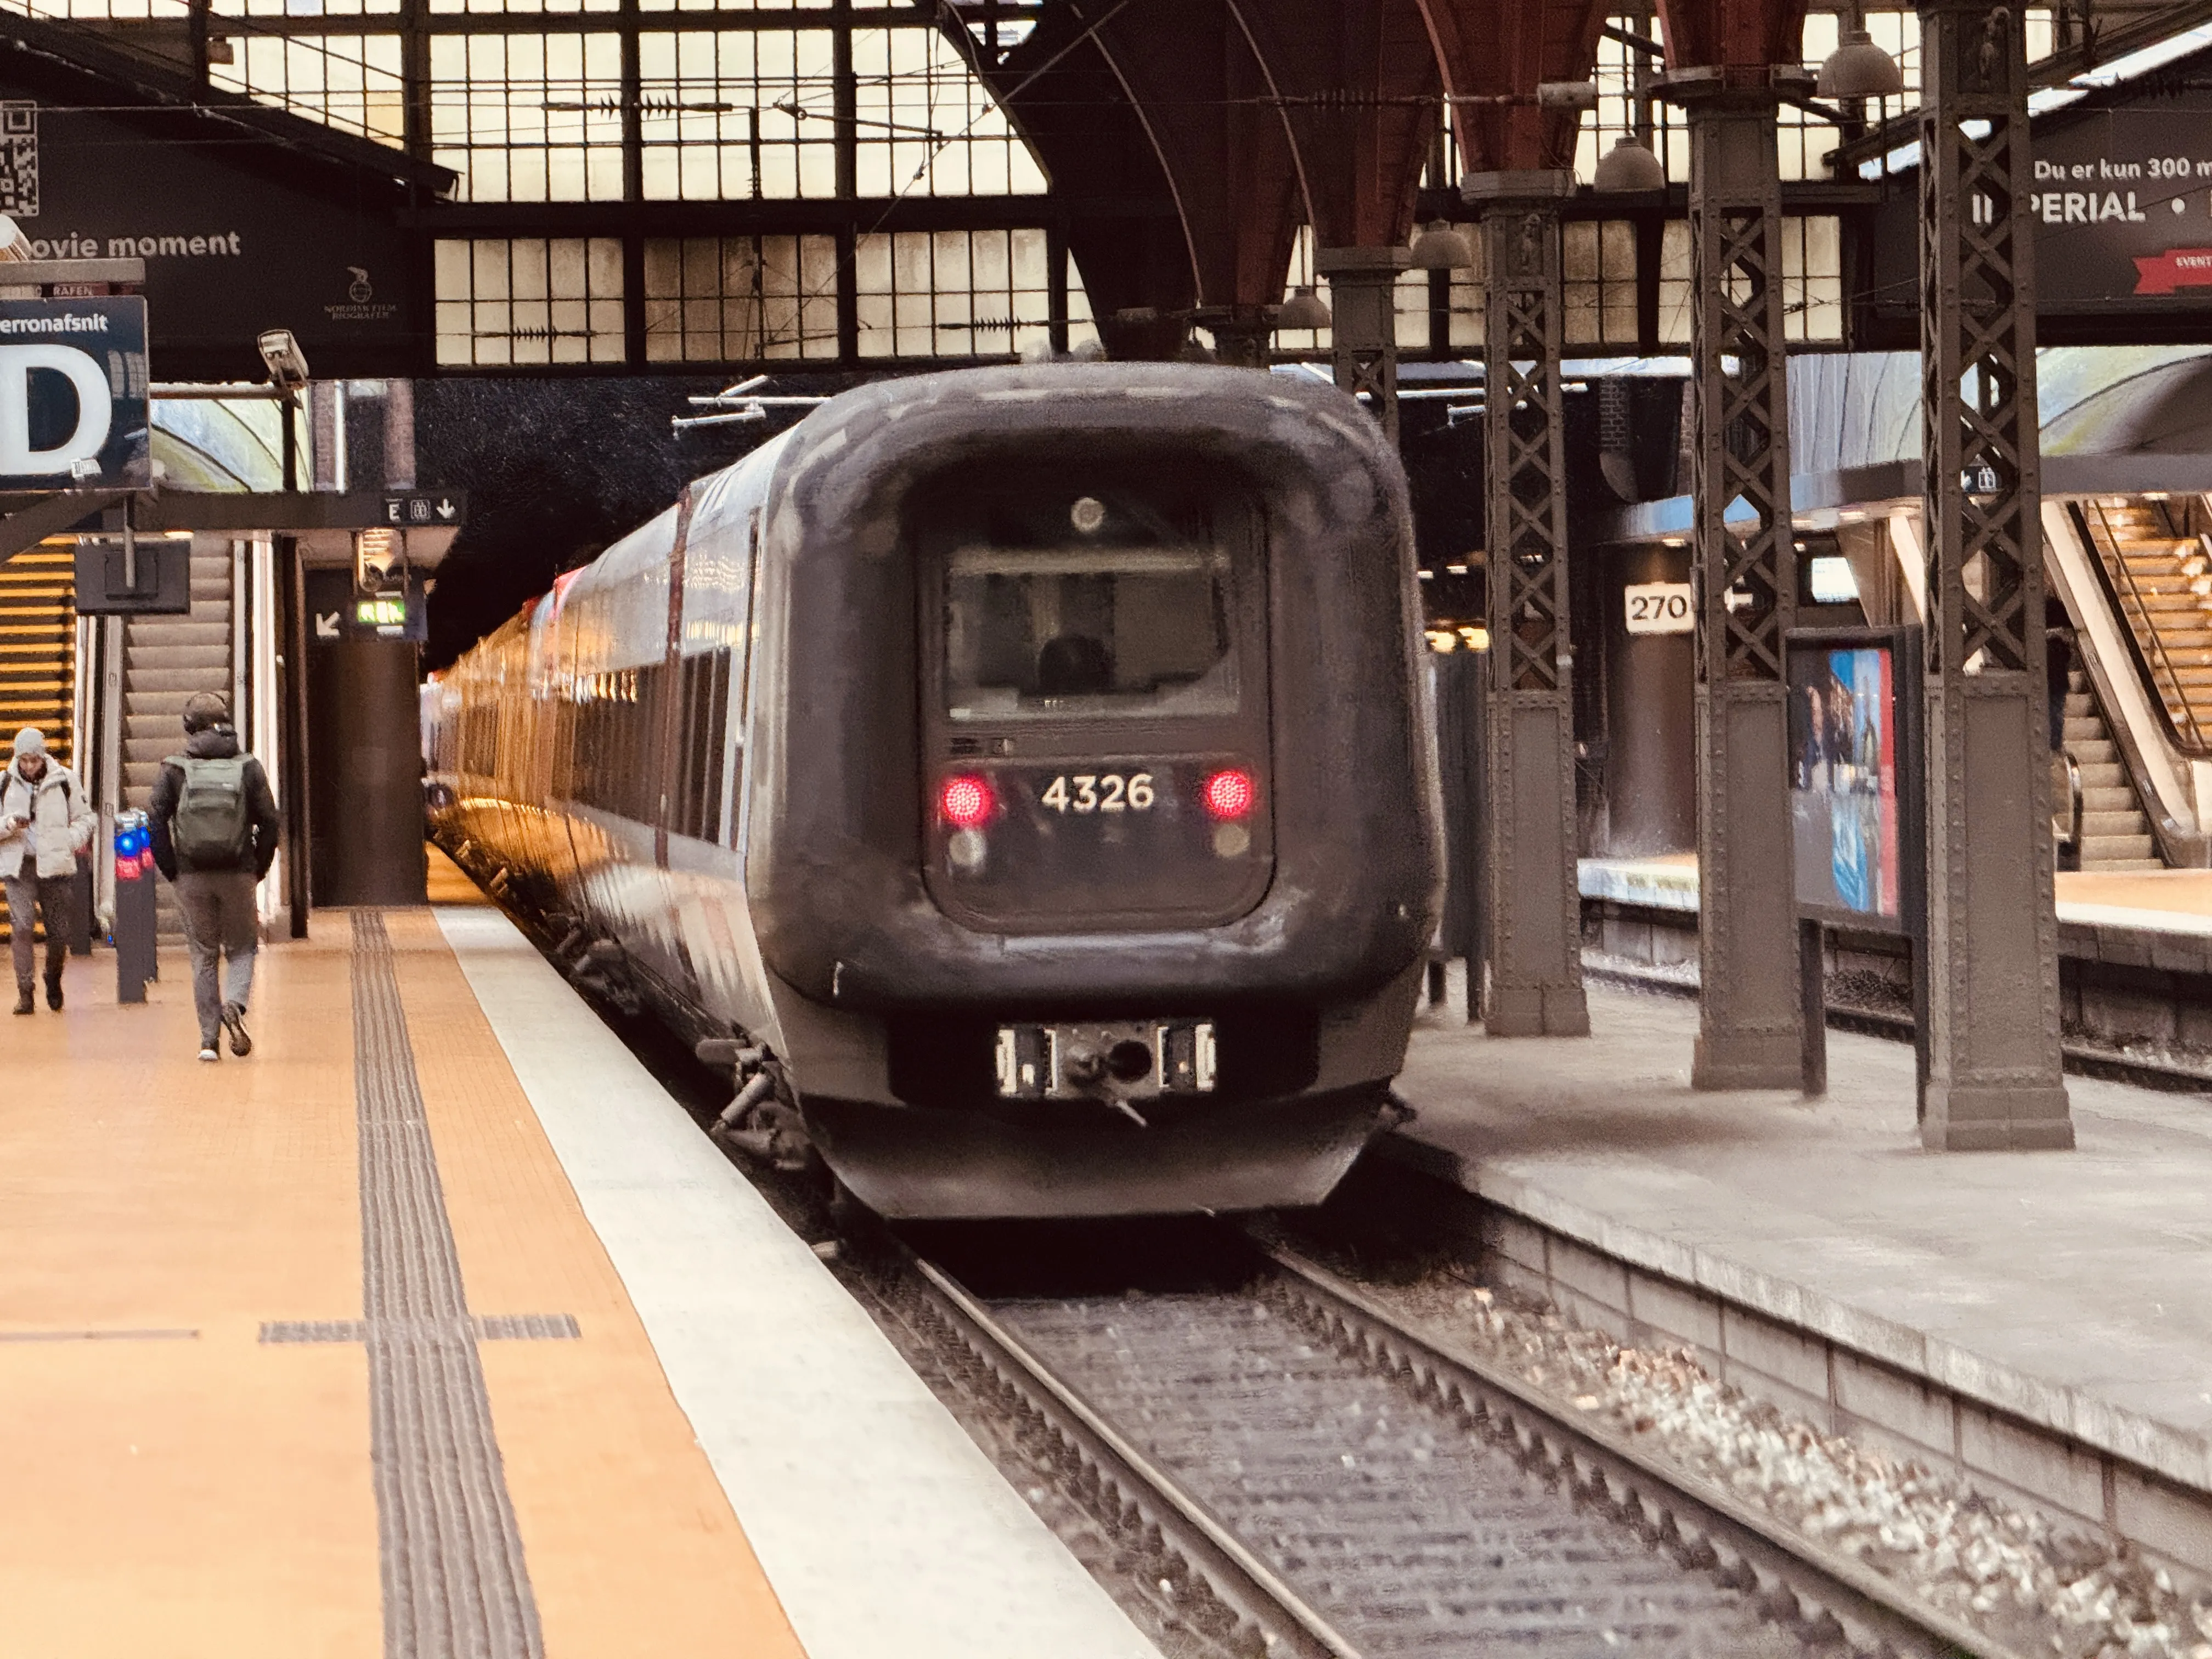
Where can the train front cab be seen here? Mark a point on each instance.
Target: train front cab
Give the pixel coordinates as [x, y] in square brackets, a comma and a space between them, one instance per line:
[1173, 883]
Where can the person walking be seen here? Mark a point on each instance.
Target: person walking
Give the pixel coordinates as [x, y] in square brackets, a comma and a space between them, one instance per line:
[213, 823]
[45, 825]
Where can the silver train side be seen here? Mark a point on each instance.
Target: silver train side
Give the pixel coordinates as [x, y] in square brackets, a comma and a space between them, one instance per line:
[714, 763]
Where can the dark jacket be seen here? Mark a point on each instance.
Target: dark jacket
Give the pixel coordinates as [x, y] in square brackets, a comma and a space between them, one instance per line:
[216, 743]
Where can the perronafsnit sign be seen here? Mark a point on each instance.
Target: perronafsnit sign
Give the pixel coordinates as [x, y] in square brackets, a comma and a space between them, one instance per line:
[73, 391]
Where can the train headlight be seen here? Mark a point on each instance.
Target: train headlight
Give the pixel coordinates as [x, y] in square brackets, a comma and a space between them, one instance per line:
[967, 800]
[1231, 793]
[965, 849]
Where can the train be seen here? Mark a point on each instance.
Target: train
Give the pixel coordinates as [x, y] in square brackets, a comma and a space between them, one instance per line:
[1020, 778]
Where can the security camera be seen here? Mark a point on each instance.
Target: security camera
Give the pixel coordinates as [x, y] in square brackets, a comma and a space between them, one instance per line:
[288, 368]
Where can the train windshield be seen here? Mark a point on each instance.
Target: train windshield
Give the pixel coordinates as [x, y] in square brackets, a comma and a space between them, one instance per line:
[1088, 632]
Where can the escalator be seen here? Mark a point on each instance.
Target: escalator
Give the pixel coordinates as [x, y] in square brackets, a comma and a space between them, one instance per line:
[165, 660]
[2114, 831]
[2160, 570]
[2136, 573]
[38, 646]
[38, 654]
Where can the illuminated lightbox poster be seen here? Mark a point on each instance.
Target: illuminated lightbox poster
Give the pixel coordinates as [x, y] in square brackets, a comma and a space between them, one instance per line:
[1843, 779]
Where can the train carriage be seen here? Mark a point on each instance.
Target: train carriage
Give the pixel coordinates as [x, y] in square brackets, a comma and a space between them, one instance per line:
[1023, 772]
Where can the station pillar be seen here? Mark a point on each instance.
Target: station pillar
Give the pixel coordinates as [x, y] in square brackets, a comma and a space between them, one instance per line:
[1995, 1076]
[1535, 984]
[1363, 299]
[1744, 567]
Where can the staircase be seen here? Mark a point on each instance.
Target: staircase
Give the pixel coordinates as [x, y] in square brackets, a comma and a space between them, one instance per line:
[2116, 831]
[2162, 577]
[165, 660]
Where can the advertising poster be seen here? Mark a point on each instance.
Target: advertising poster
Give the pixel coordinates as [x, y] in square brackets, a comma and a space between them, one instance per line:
[1843, 779]
[2123, 206]
[2121, 202]
[237, 235]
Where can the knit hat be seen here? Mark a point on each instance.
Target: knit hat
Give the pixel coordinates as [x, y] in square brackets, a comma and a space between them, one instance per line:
[30, 741]
[203, 710]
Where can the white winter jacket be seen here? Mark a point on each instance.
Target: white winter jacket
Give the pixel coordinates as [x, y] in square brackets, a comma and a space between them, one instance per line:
[61, 821]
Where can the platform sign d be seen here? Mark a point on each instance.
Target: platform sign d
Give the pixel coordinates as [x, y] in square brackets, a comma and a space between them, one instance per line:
[73, 390]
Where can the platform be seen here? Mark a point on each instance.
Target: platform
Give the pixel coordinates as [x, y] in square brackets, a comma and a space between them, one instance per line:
[2069, 1292]
[2176, 901]
[436, 1326]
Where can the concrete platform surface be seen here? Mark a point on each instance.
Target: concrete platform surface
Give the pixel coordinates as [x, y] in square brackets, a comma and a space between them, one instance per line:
[2071, 1288]
[2152, 900]
[436, 1326]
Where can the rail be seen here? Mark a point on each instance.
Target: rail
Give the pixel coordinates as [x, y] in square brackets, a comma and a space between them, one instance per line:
[2072, 835]
[2188, 733]
[1193, 1550]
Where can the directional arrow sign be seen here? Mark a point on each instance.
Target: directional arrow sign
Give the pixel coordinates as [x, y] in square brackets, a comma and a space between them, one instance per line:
[326, 625]
[445, 509]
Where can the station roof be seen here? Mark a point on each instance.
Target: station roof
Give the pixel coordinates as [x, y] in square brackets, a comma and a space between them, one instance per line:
[68, 62]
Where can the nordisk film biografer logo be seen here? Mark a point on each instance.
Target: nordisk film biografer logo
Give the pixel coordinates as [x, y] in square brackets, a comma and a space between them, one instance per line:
[361, 304]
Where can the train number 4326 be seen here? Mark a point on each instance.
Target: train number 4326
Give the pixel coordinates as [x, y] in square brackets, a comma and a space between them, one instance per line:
[1092, 792]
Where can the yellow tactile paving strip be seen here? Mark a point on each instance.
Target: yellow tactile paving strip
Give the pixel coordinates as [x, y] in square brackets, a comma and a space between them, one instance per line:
[210, 1494]
[625, 1527]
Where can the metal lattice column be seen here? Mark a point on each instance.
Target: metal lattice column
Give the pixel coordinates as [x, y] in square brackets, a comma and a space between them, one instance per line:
[1745, 571]
[1363, 290]
[1529, 835]
[1995, 1078]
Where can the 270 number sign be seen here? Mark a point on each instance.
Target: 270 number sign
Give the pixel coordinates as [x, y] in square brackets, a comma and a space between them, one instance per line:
[1660, 608]
[1092, 792]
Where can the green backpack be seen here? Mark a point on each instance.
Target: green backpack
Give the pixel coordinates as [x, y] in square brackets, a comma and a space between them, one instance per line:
[210, 827]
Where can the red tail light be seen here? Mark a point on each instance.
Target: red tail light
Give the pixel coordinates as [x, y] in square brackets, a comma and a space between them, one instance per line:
[966, 800]
[1231, 793]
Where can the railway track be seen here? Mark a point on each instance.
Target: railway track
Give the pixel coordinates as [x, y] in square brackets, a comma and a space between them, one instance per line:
[1280, 1468]
[1266, 1463]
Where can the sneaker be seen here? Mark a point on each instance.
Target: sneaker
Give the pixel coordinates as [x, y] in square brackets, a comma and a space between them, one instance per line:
[208, 1052]
[54, 994]
[23, 1003]
[233, 1021]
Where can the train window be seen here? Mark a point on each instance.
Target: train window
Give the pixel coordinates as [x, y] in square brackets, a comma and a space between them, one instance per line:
[705, 690]
[1088, 631]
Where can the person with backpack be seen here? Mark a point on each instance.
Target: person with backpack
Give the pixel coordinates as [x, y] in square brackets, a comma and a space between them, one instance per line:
[45, 826]
[213, 823]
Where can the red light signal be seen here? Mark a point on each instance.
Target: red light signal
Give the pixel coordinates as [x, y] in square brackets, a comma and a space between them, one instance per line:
[1231, 793]
[966, 800]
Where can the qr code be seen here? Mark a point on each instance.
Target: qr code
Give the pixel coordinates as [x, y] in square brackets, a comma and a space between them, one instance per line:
[19, 159]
